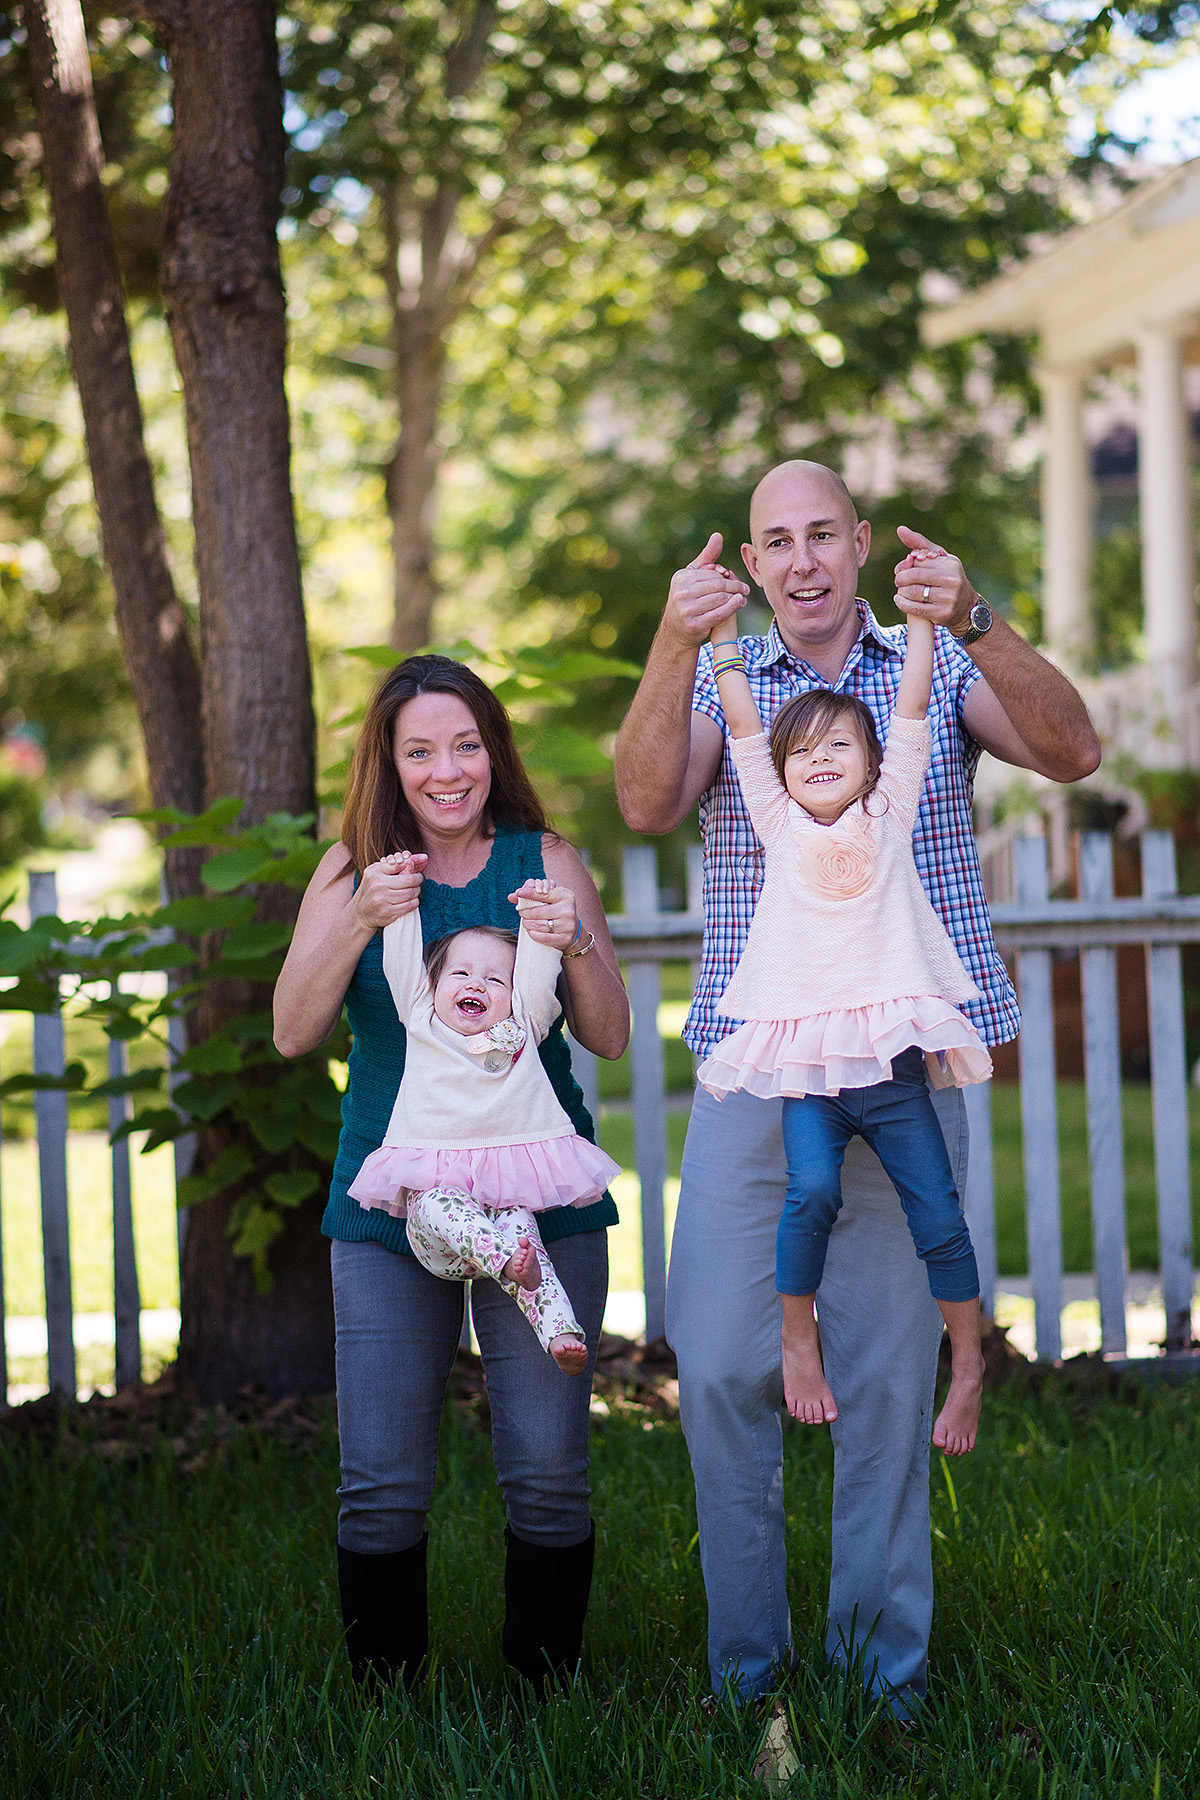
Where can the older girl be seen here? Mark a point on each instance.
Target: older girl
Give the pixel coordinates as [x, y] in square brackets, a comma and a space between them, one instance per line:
[847, 986]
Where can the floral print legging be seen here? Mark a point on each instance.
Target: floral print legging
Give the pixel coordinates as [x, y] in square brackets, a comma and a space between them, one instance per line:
[456, 1238]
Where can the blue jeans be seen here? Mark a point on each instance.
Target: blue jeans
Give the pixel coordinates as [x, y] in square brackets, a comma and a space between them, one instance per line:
[880, 1332]
[897, 1119]
[398, 1328]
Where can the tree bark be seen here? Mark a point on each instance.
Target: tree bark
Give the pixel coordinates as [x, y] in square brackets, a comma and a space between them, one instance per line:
[153, 626]
[224, 291]
[429, 268]
[419, 344]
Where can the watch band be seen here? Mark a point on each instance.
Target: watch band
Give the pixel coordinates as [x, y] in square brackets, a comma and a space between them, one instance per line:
[981, 617]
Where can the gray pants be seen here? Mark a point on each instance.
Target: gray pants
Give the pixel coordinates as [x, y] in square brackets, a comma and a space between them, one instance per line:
[880, 1332]
[397, 1333]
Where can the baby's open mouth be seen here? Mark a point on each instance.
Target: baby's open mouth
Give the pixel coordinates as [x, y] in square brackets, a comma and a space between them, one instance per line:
[474, 1007]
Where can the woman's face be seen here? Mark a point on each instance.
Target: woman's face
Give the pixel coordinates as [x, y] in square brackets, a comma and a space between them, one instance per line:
[445, 772]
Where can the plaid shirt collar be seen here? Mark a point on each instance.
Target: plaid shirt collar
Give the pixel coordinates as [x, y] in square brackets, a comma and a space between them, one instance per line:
[772, 649]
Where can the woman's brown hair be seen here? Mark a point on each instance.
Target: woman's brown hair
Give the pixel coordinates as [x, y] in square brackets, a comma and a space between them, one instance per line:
[376, 818]
[810, 715]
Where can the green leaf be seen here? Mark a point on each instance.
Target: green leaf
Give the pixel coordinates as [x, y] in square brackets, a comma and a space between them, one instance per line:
[276, 1131]
[204, 1099]
[297, 868]
[164, 956]
[231, 869]
[211, 827]
[290, 1190]
[123, 1027]
[262, 1226]
[74, 1076]
[318, 1137]
[229, 1167]
[18, 948]
[142, 1081]
[216, 1056]
[264, 1281]
[162, 1122]
[246, 942]
[28, 994]
[196, 915]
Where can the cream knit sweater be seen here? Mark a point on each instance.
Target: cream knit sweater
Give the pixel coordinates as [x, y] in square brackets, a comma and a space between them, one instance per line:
[842, 921]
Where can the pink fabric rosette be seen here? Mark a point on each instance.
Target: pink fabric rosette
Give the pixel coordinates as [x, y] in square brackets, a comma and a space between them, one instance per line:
[838, 864]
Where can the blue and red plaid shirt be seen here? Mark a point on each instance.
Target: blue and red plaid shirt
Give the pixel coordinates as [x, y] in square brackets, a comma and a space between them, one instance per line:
[943, 843]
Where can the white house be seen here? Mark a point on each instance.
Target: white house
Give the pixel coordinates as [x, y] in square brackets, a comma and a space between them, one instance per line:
[1124, 288]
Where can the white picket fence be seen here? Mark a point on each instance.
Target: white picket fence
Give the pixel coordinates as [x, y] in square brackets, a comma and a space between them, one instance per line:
[1034, 928]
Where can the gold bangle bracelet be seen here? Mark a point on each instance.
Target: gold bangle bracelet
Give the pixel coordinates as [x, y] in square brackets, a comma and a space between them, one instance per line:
[583, 948]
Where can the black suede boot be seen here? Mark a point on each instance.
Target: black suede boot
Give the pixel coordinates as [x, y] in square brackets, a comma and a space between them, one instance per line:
[385, 1610]
[545, 1600]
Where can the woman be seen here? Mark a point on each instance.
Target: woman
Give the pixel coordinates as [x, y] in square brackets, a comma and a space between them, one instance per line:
[436, 772]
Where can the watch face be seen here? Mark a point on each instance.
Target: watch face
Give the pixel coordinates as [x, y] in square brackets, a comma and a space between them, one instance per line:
[981, 616]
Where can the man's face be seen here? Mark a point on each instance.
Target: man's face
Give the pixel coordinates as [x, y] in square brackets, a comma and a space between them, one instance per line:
[805, 554]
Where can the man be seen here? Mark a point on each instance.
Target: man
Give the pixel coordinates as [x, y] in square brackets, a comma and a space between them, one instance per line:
[880, 1329]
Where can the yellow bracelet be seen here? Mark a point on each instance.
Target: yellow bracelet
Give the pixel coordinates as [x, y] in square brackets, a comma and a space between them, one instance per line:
[584, 948]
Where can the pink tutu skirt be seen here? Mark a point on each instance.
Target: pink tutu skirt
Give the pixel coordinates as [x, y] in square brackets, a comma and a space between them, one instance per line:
[851, 1048]
[561, 1171]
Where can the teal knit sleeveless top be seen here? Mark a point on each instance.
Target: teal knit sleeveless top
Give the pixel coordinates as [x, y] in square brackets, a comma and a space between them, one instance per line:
[377, 1055]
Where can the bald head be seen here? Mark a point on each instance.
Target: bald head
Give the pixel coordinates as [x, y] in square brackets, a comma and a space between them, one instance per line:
[781, 486]
[806, 547]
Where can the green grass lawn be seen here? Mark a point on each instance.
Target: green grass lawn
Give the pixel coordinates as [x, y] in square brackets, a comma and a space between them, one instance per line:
[167, 1636]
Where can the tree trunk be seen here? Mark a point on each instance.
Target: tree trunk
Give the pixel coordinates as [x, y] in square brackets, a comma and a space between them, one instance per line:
[153, 627]
[224, 291]
[418, 341]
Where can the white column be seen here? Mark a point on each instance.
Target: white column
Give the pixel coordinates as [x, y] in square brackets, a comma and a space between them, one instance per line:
[1066, 515]
[1165, 492]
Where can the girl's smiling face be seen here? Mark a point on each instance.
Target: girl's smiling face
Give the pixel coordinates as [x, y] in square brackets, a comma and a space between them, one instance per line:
[474, 989]
[826, 771]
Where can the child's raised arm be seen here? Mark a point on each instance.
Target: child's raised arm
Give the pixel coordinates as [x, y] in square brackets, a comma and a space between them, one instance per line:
[737, 702]
[912, 698]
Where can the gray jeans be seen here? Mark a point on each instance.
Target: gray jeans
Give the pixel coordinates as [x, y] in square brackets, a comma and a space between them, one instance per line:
[397, 1331]
[880, 1332]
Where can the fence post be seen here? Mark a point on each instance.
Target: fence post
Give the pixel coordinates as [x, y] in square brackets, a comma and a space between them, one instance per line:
[1102, 1070]
[51, 1111]
[1039, 1109]
[127, 1301]
[639, 878]
[1168, 1079]
[979, 1202]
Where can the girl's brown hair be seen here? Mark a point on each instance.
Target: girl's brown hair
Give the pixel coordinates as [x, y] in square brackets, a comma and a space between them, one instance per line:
[376, 818]
[810, 715]
[437, 951]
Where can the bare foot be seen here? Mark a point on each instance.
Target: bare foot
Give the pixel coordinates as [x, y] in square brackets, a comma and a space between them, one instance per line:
[956, 1425]
[523, 1267]
[570, 1353]
[805, 1388]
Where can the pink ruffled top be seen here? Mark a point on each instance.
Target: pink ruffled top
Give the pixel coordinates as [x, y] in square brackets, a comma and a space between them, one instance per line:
[846, 963]
[488, 1124]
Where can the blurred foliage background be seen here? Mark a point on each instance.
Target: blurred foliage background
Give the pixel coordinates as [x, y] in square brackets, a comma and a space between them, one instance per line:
[676, 243]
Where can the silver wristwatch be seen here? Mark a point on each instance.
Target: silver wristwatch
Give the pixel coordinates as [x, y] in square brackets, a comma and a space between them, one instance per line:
[980, 616]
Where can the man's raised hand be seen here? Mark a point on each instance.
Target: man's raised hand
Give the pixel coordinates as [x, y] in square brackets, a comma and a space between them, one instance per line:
[703, 595]
[932, 584]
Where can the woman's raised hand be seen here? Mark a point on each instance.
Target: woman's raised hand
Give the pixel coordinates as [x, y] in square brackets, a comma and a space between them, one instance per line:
[548, 913]
[390, 888]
